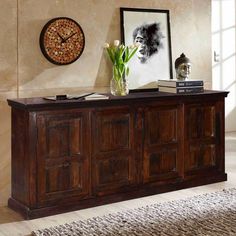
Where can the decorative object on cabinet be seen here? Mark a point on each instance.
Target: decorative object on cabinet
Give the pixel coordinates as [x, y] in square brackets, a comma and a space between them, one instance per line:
[73, 154]
[181, 86]
[68, 96]
[120, 55]
[96, 96]
[151, 29]
[175, 83]
[62, 40]
[182, 67]
[181, 90]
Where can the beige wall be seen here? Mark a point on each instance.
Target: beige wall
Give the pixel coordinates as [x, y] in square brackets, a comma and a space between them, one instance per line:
[24, 71]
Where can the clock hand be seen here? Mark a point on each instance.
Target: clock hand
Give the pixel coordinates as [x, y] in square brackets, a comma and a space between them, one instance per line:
[69, 37]
[62, 39]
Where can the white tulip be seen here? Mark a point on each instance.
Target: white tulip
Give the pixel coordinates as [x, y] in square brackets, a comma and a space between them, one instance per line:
[106, 45]
[116, 43]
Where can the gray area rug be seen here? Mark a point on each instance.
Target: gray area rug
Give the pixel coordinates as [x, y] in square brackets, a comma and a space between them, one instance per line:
[211, 214]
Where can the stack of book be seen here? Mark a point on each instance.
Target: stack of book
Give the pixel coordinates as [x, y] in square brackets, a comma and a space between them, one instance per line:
[181, 86]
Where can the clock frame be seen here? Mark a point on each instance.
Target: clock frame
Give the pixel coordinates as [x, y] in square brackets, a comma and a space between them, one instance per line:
[62, 40]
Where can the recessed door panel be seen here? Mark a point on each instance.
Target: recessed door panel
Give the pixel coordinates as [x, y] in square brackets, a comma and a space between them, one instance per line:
[113, 171]
[113, 132]
[162, 164]
[161, 126]
[201, 121]
[201, 156]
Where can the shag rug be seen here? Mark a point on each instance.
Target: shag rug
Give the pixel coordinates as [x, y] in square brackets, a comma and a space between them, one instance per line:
[212, 214]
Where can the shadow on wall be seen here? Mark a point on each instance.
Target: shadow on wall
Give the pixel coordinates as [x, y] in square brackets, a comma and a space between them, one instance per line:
[5, 152]
[8, 77]
[230, 120]
[31, 58]
[37, 73]
[104, 73]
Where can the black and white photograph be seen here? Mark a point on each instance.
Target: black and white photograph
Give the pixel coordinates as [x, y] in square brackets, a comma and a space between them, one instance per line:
[150, 29]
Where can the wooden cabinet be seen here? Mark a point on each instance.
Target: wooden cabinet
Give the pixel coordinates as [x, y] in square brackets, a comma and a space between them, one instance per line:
[72, 154]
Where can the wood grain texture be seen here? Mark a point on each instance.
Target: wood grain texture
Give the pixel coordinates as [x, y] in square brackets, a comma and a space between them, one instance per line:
[75, 154]
[62, 155]
[113, 158]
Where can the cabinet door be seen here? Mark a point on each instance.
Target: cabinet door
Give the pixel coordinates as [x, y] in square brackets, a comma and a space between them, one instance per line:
[62, 155]
[162, 143]
[113, 157]
[204, 144]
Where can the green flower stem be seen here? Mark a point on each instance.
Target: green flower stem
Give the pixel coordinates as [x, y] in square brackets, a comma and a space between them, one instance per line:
[118, 77]
[120, 56]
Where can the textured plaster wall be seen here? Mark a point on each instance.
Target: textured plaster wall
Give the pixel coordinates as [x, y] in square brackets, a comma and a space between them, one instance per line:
[8, 88]
[24, 72]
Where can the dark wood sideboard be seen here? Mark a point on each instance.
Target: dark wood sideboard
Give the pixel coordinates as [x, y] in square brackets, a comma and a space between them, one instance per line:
[73, 154]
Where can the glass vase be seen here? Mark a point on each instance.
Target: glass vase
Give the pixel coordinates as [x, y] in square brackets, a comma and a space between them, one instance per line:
[119, 83]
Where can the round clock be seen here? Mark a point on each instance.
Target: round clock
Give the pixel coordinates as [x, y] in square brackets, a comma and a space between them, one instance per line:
[62, 41]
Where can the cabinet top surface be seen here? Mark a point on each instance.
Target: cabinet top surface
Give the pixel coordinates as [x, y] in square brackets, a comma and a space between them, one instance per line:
[41, 103]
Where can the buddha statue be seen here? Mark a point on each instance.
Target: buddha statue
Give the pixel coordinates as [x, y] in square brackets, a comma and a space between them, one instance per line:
[182, 67]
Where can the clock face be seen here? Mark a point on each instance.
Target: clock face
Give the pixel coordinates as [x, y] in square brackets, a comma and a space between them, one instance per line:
[62, 41]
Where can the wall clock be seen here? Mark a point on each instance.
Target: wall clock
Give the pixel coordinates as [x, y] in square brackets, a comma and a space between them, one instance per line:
[62, 40]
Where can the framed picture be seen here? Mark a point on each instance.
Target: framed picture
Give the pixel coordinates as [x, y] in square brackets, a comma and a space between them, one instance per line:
[150, 28]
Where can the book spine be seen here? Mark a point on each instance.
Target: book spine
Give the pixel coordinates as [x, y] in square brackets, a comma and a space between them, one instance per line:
[190, 90]
[189, 83]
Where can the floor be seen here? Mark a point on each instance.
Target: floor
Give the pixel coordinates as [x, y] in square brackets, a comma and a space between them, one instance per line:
[12, 224]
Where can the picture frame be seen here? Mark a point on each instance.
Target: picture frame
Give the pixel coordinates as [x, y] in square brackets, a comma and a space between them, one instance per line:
[150, 28]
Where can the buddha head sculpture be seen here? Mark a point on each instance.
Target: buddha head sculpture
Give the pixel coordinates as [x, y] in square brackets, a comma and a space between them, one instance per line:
[182, 67]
